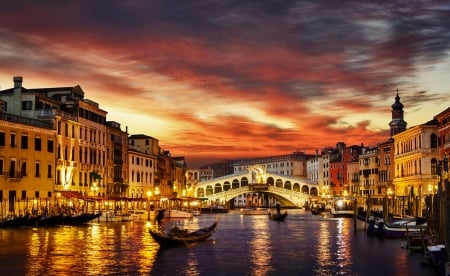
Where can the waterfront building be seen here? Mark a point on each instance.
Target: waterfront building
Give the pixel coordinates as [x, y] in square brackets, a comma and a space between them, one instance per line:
[143, 153]
[27, 162]
[443, 120]
[314, 169]
[416, 159]
[81, 131]
[353, 176]
[293, 164]
[337, 169]
[369, 177]
[117, 181]
[386, 173]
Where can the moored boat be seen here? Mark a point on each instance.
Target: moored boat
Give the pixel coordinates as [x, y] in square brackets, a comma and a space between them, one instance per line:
[174, 213]
[342, 207]
[177, 236]
[214, 209]
[399, 228]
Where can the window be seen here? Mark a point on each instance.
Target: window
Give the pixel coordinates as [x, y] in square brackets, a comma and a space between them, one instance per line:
[49, 171]
[13, 140]
[12, 169]
[1, 167]
[23, 169]
[24, 142]
[2, 139]
[37, 169]
[49, 145]
[26, 105]
[37, 143]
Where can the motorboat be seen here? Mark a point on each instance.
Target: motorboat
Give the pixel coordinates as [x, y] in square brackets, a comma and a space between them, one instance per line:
[342, 207]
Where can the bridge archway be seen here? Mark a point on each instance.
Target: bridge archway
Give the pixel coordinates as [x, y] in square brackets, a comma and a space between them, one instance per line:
[255, 185]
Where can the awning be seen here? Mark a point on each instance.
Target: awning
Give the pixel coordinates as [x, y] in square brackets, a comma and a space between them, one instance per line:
[70, 194]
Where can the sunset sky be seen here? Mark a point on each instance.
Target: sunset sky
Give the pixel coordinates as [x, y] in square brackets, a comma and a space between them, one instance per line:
[224, 79]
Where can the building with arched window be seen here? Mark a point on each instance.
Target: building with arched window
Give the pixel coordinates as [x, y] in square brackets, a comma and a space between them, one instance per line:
[415, 157]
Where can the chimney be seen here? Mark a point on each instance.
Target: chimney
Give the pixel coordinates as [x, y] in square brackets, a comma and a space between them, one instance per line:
[18, 82]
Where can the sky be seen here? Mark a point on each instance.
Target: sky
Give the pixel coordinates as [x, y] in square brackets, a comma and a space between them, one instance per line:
[217, 80]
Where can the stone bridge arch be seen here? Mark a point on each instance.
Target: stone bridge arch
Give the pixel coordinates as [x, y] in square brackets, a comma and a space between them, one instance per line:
[257, 180]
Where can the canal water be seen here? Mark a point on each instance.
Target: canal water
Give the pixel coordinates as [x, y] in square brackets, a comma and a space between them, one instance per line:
[242, 245]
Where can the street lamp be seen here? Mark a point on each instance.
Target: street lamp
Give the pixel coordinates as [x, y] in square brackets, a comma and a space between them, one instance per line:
[94, 189]
[389, 196]
[149, 194]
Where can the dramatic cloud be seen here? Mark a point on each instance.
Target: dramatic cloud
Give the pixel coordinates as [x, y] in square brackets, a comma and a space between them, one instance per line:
[226, 79]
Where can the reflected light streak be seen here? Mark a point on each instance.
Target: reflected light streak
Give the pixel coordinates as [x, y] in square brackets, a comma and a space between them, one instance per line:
[343, 242]
[260, 247]
[323, 249]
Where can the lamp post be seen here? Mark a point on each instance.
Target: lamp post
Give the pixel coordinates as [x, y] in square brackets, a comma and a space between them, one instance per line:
[94, 189]
[149, 194]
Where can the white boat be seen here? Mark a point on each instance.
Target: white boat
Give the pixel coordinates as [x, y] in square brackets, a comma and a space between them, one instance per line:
[196, 212]
[342, 207]
[173, 213]
[399, 228]
[108, 216]
[254, 211]
[129, 217]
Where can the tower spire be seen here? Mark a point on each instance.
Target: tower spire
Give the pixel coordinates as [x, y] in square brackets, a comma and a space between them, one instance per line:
[397, 123]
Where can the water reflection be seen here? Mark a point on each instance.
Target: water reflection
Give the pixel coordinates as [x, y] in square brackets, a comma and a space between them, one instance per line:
[250, 245]
[260, 246]
[323, 249]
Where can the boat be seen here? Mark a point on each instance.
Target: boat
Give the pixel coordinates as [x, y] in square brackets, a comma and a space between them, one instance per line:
[417, 241]
[174, 213]
[14, 222]
[254, 211]
[109, 216]
[129, 217]
[177, 236]
[317, 208]
[342, 207]
[399, 228]
[278, 216]
[214, 209]
[196, 212]
[79, 219]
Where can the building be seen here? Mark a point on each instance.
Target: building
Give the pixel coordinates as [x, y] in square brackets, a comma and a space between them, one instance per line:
[27, 165]
[293, 164]
[416, 159]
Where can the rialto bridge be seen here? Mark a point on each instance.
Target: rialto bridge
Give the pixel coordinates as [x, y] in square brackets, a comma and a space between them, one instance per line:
[256, 186]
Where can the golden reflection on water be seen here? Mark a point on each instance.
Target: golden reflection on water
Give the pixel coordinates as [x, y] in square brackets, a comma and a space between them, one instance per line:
[98, 248]
[327, 262]
[260, 247]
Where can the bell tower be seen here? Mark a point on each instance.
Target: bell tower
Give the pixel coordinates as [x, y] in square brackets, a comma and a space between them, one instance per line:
[397, 123]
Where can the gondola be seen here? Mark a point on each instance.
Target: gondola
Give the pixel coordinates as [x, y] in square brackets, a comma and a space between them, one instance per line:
[278, 216]
[177, 236]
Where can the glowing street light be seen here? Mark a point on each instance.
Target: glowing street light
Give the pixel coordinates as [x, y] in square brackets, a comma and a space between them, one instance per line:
[149, 194]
